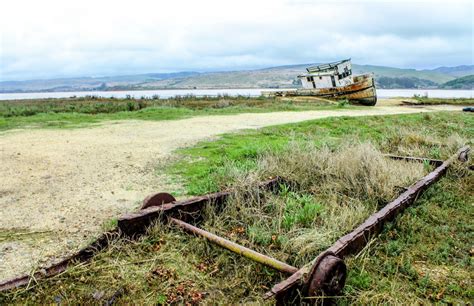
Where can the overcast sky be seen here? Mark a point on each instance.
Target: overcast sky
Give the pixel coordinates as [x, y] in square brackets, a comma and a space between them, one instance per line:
[58, 38]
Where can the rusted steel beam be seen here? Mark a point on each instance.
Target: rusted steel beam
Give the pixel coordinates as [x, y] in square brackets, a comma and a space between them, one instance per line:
[433, 162]
[236, 248]
[355, 241]
[81, 256]
[136, 223]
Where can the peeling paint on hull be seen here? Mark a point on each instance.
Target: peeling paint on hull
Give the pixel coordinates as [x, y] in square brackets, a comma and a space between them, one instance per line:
[362, 91]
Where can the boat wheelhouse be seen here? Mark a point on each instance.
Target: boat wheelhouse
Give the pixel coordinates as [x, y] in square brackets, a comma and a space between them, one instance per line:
[334, 81]
[335, 74]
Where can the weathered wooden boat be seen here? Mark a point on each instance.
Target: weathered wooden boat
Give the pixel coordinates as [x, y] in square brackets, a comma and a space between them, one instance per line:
[334, 81]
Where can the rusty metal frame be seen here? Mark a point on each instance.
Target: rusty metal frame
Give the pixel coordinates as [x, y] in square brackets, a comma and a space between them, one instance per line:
[326, 274]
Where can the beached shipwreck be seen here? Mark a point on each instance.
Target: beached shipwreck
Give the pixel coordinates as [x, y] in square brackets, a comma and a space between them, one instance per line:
[334, 81]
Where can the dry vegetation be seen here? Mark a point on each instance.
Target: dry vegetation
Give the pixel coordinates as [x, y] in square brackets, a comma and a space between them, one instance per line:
[333, 191]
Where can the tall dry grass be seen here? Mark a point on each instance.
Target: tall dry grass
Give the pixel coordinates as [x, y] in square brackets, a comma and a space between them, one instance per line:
[332, 192]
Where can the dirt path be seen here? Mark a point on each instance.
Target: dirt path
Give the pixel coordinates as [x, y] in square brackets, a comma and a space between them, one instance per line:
[57, 187]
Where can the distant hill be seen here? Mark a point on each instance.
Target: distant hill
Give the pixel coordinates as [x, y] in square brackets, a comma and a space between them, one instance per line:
[273, 77]
[285, 77]
[88, 83]
[465, 82]
[458, 71]
[381, 71]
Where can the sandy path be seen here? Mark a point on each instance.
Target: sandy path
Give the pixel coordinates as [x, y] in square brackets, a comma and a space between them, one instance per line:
[57, 187]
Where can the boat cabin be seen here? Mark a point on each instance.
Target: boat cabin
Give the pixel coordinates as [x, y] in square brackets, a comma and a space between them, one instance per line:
[330, 75]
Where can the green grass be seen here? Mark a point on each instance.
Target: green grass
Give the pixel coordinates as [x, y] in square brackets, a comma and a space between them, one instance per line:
[441, 101]
[424, 257]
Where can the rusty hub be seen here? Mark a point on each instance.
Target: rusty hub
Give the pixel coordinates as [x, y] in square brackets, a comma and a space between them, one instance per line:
[327, 276]
[157, 199]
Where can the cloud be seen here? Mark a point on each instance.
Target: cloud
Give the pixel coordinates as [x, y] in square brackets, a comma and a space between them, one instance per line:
[51, 38]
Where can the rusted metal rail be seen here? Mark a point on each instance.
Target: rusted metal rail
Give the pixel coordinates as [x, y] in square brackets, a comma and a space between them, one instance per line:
[136, 223]
[82, 255]
[297, 284]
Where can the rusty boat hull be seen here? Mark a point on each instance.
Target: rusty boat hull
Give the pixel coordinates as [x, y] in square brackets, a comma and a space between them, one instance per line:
[362, 91]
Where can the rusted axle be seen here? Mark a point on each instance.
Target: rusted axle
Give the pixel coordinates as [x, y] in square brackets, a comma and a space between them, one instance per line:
[355, 241]
[327, 276]
[236, 248]
[433, 162]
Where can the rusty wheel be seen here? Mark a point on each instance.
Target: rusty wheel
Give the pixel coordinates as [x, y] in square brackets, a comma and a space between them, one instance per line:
[327, 276]
[157, 199]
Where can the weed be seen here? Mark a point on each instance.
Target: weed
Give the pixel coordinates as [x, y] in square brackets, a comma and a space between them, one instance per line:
[342, 103]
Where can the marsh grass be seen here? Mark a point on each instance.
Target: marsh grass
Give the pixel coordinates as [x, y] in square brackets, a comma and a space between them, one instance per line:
[79, 112]
[424, 100]
[96, 105]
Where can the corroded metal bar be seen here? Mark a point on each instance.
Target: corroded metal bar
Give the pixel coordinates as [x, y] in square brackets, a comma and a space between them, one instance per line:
[81, 256]
[236, 248]
[358, 238]
[136, 223]
[433, 162]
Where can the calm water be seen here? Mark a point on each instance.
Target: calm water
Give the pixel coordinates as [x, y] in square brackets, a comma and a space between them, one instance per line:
[167, 93]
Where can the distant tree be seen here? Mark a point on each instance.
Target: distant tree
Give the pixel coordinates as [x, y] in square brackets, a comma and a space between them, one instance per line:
[465, 82]
[404, 82]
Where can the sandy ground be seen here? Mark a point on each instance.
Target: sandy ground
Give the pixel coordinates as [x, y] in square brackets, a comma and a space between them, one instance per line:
[58, 187]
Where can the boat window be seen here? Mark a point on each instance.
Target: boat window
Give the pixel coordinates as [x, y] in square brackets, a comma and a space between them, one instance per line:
[343, 75]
